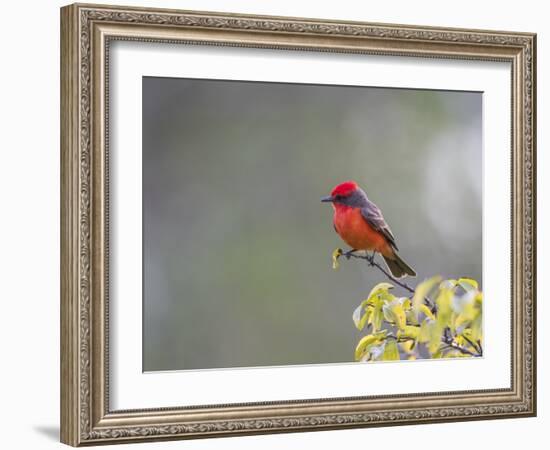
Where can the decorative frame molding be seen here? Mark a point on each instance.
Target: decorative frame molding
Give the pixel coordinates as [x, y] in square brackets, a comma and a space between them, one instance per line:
[86, 31]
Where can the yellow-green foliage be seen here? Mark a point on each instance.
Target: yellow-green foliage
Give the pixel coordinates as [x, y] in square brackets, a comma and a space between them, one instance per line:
[443, 319]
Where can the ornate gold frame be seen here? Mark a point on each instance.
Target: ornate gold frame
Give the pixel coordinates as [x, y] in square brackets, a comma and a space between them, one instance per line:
[86, 31]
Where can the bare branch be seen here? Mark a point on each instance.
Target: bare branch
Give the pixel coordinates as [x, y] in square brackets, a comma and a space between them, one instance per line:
[372, 262]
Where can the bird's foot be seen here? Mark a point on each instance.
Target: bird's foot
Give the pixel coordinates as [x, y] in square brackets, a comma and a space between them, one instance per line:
[370, 258]
[349, 253]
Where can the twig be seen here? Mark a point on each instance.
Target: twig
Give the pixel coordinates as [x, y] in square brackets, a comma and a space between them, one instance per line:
[461, 349]
[447, 338]
[373, 263]
[477, 347]
[400, 339]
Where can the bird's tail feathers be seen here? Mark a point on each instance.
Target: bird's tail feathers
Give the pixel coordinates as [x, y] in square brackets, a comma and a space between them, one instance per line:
[398, 267]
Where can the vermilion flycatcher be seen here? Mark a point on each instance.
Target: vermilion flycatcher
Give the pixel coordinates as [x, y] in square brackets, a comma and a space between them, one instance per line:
[360, 223]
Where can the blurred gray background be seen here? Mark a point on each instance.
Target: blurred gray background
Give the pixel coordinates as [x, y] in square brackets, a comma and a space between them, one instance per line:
[237, 246]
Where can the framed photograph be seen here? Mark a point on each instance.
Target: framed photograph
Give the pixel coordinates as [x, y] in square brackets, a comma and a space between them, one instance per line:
[274, 224]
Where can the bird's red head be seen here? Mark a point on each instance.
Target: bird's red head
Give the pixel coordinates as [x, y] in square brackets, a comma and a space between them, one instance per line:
[344, 189]
[346, 195]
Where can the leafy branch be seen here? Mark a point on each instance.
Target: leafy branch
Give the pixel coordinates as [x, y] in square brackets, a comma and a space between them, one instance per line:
[441, 319]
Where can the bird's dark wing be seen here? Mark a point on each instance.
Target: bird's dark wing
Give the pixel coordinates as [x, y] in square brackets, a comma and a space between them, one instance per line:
[372, 214]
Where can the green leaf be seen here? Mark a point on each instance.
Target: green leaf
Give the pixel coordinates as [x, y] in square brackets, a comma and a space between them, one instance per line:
[448, 284]
[366, 342]
[460, 303]
[406, 302]
[430, 334]
[363, 345]
[410, 332]
[376, 316]
[422, 291]
[426, 330]
[358, 319]
[391, 352]
[444, 309]
[380, 288]
[407, 346]
[467, 313]
[476, 330]
[365, 318]
[478, 300]
[411, 317]
[436, 332]
[468, 284]
[376, 299]
[394, 313]
[335, 255]
[356, 316]
[426, 311]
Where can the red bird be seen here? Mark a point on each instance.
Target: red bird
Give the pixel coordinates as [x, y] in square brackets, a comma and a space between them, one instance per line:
[360, 223]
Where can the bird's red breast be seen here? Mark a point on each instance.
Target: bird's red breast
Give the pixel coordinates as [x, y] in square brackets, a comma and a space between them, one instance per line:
[356, 231]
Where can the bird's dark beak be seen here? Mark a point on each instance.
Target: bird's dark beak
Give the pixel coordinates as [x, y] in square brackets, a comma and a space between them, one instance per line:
[327, 199]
